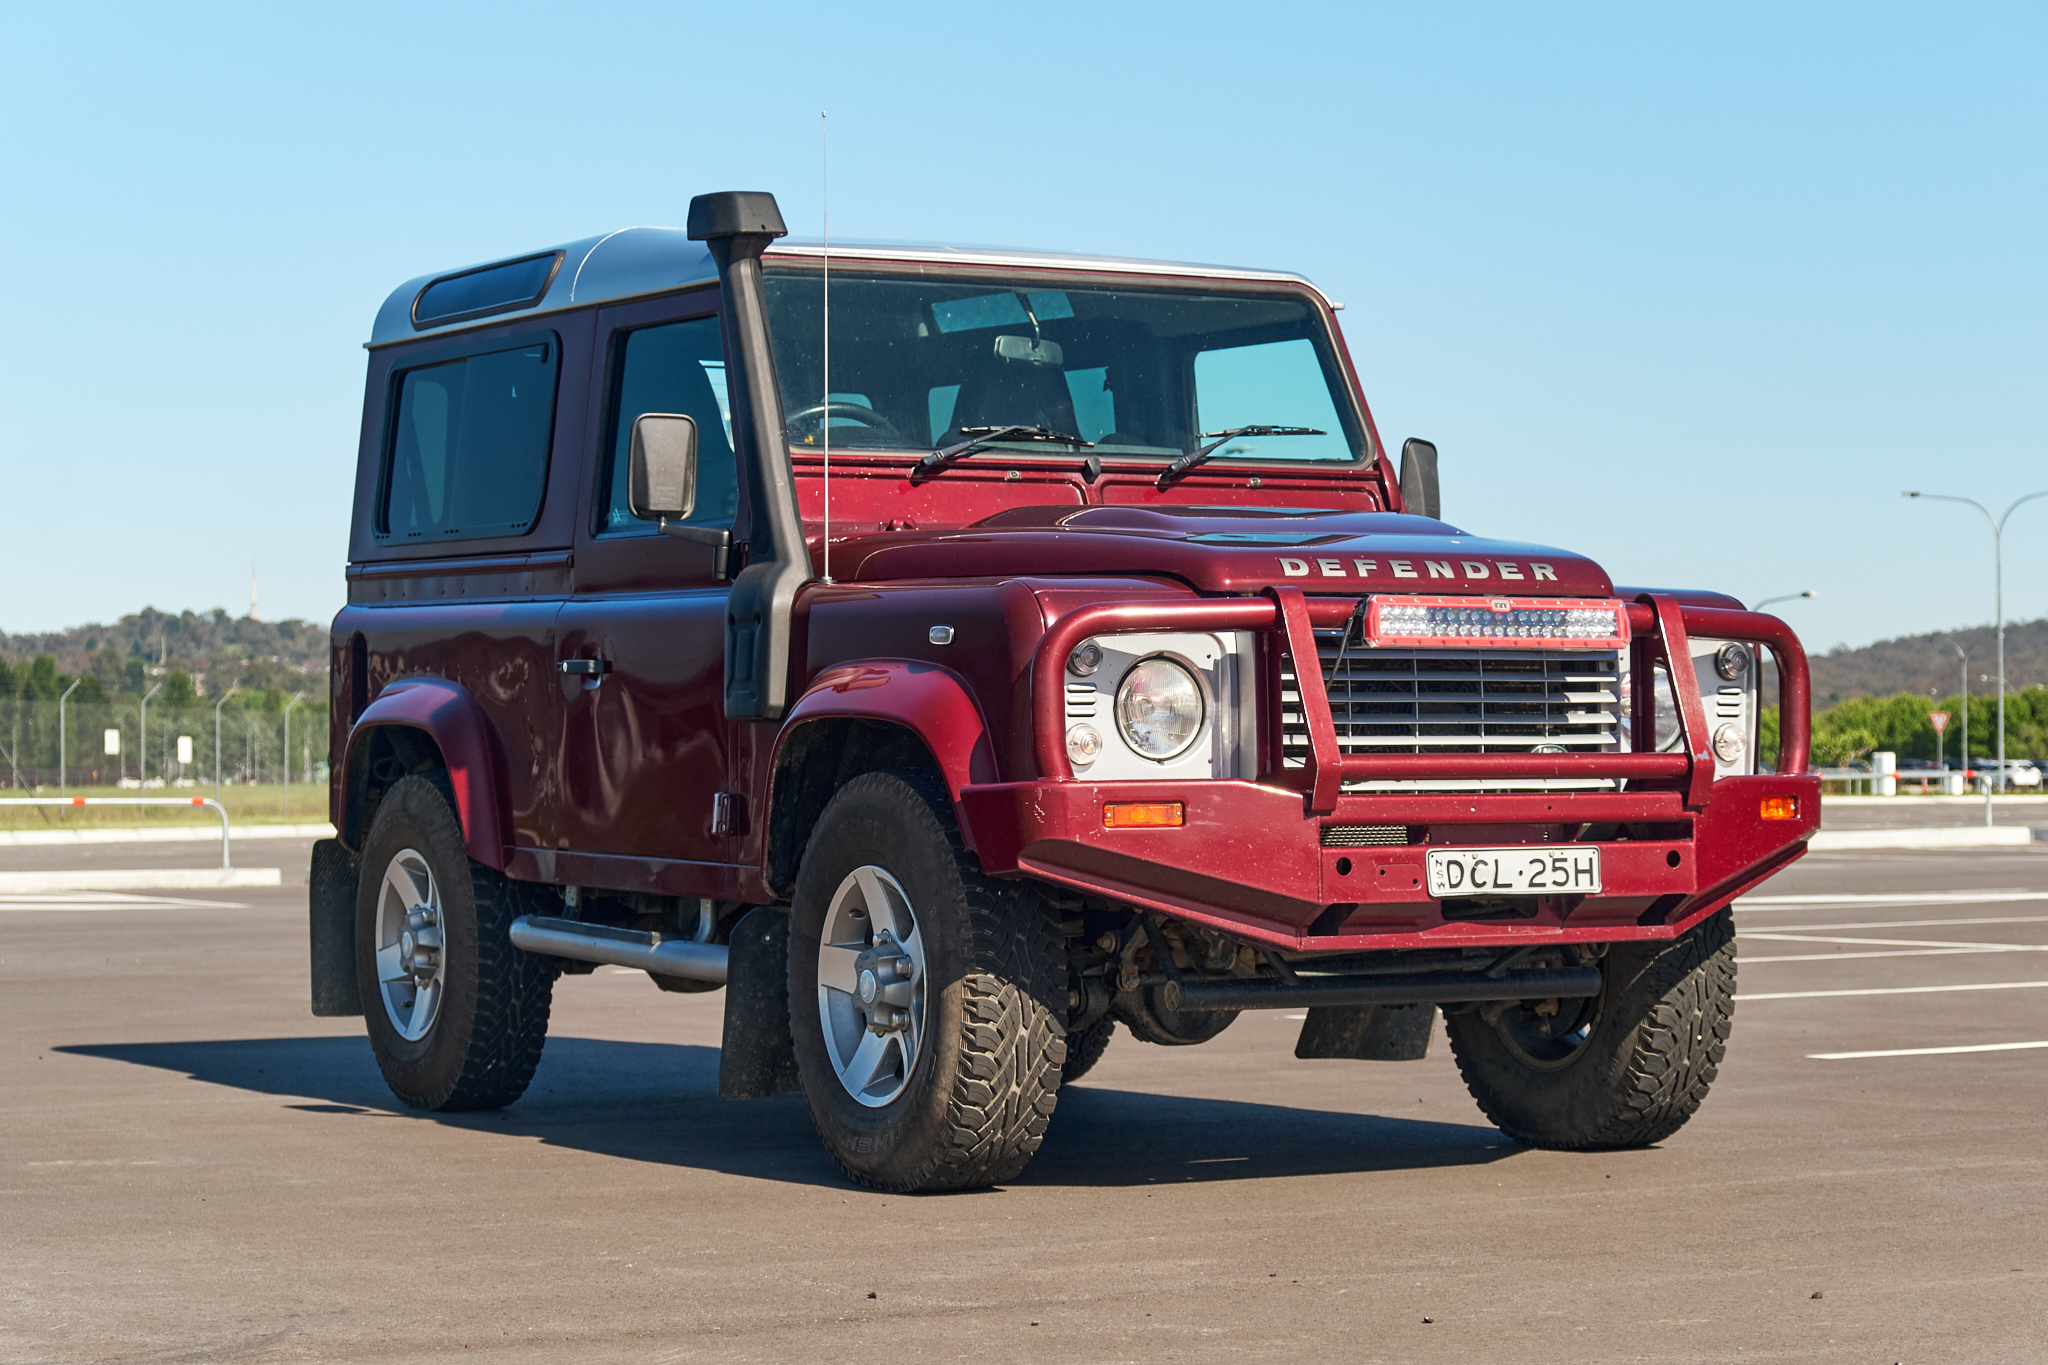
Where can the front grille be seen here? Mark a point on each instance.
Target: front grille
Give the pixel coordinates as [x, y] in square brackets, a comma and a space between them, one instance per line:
[1398, 701]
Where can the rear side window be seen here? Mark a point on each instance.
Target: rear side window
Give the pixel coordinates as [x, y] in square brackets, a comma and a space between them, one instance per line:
[469, 446]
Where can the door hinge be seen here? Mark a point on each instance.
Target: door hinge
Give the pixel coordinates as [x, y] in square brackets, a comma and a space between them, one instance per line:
[728, 813]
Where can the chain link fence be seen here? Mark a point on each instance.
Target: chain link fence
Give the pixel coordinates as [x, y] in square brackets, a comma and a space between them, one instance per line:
[118, 745]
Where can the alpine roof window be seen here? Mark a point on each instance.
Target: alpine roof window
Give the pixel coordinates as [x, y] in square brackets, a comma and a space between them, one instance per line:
[468, 453]
[479, 293]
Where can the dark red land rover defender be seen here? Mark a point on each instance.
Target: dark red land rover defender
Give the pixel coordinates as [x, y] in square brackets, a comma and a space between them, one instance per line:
[1049, 648]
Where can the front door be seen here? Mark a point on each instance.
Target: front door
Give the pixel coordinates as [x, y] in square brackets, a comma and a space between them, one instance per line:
[645, 742]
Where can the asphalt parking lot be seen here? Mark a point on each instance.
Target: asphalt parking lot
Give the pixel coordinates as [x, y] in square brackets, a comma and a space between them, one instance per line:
[192, 1168]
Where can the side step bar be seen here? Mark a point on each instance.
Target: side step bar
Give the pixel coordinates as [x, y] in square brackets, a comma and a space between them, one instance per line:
[661, 954]
[1421, 988]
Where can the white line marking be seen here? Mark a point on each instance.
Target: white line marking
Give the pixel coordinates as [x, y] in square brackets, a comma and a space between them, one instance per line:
[1921, 1051]
[1892, 924]
[1754, 903]
[1901, 942]
[1894, 990]
[1892, 952]
[26, 902]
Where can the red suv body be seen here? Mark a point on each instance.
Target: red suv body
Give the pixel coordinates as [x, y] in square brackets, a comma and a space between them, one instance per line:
[1103, 563]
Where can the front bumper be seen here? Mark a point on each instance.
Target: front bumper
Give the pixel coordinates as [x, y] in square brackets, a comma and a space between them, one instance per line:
[1249, 860]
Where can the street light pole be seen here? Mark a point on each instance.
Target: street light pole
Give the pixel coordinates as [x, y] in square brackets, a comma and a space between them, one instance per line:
[62, 774]
[142, 747]
[1998, 597]
[1963, 678]
[297, 697]
[216, 736]
[1788, 597]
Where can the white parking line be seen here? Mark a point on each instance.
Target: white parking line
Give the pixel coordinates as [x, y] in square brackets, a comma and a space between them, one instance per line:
[25, 902]
[1898, 942]
[1892, 924]
[1921, 1051]
[1893, 990]
[1767, 903]
[1891, 952]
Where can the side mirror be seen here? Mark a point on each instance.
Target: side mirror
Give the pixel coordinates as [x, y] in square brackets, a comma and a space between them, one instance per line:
[661, 482]
[1418, 478]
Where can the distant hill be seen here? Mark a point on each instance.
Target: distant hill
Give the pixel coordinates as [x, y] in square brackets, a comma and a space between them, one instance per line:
[218, 650]
[1927, 666]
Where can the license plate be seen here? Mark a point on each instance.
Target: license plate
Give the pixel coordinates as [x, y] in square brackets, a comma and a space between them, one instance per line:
[1531, 870]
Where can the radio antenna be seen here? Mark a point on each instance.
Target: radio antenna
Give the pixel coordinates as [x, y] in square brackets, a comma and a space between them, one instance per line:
[825, 413]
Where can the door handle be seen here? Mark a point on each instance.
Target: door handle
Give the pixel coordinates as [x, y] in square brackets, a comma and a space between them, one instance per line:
[584, 666]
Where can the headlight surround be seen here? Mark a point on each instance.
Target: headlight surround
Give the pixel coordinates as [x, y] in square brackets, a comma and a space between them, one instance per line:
[1159, 709]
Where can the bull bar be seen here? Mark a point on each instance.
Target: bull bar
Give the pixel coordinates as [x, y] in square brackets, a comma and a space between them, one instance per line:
[1294, 616]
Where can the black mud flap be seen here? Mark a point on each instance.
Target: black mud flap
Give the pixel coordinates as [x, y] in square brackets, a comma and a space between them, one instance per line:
[757, 1058]
[331, 921]
[1367, 1033]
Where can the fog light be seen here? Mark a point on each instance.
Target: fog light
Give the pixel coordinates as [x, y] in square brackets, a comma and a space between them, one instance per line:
[1084, 745]
[1780, 808]
[1728, 744]
[1143, 815]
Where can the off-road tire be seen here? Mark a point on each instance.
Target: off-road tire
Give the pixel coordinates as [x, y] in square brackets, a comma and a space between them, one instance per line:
[481, 1051]
[1661, 1030]
[987, 1074]
[1085, 1049]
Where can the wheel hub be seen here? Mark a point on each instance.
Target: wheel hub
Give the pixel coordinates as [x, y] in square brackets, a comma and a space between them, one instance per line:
[871, 986]
[411, 967]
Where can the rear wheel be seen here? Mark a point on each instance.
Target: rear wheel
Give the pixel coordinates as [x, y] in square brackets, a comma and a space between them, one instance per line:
[1625, 1068]
[924, 997]
[1085, 1048]
[456, 1015]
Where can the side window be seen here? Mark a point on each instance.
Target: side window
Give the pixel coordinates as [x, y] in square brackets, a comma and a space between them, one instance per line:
[1274, 384]
[676, 367]
[469, 446]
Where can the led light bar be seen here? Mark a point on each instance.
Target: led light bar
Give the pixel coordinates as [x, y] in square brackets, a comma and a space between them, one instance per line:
[1496, 622]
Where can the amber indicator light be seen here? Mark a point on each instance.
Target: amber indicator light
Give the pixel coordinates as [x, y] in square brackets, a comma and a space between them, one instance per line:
[1143, 815]
[1780, 808]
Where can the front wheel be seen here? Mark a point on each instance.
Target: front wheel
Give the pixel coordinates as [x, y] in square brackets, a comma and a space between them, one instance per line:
[456, 1015]
[925, 999]
[1625, 1068]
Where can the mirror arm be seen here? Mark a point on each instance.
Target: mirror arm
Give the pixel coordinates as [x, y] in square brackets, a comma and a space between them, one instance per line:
[719, 538]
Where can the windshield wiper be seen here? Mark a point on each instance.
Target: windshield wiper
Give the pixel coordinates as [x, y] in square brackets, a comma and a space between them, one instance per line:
[980, 437]
[1218, 439]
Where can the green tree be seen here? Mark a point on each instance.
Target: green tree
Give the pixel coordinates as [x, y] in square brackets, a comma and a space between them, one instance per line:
[179, 691]
[44, 682]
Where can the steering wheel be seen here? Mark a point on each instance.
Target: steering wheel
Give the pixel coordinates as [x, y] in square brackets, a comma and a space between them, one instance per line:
[817, 415]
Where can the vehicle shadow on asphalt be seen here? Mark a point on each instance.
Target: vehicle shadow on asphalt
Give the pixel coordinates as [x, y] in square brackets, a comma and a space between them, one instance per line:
[658, 1103]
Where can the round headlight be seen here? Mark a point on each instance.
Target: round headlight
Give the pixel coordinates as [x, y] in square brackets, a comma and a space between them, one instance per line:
[1159, 709]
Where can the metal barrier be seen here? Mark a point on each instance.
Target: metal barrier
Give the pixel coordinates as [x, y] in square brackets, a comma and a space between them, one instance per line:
[218, 808]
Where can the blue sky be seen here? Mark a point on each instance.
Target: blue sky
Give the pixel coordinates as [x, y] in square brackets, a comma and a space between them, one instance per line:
[1696, 292]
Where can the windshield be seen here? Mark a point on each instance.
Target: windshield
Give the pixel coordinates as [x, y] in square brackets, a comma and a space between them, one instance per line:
[923, 361]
